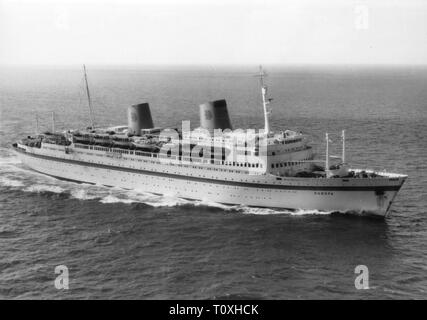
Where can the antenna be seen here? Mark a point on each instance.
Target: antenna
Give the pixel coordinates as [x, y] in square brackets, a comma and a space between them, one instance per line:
[88, 99]
[261, 75]
[265, 100]
[343, 146]
[327, 155]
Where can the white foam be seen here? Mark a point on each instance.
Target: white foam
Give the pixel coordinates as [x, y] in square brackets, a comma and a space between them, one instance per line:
[13, 166]
[222, 206]
[150, 199]
[157, 200]
[10, 182]
[83, 194]
[167, 202]
[44, 188]
[262, 211]
[113, 199]
[270, 211]
[302, 212]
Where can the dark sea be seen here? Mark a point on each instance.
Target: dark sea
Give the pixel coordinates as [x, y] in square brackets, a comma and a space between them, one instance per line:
[121, 244]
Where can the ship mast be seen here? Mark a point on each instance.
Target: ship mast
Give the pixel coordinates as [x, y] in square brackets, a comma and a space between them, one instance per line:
[265, 101]
[88, 98]
[343, 147]
[327, 156]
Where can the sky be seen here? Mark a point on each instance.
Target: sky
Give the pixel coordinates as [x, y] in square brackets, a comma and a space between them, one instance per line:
[212, 32]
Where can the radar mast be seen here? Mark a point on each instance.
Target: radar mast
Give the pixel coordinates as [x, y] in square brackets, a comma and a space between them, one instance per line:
[265, 101]
[89, 99]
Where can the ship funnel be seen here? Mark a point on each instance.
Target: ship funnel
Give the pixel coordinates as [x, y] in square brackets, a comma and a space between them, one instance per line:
[214, 115]
[139, 117]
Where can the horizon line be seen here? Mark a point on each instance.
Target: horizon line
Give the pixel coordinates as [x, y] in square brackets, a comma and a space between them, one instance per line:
[196, 65]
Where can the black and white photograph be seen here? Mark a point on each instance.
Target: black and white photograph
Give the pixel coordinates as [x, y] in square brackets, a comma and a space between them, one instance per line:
[224, 151]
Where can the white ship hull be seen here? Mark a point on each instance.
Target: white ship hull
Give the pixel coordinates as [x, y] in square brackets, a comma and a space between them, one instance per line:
[373, 196]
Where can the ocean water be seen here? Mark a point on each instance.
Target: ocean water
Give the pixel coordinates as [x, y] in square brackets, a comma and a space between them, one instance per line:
[121, 244]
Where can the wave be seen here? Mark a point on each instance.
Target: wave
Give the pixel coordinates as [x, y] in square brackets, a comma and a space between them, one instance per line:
[83, 194]
[113, 199]
[225, 207]
[39, 188]
[6, 182]
[134, 196]
[302, 212]
[278, 211]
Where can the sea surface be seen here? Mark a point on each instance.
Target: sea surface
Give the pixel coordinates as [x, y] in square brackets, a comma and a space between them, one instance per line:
[121, 244]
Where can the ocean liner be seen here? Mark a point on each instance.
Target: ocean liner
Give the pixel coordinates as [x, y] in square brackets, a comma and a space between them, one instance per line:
[212, 162]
